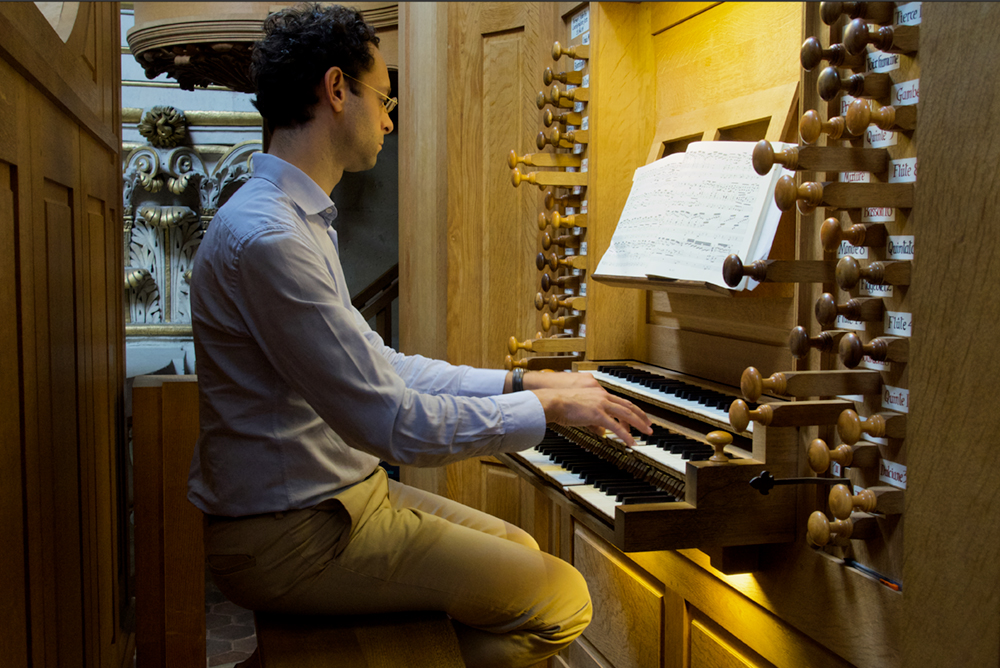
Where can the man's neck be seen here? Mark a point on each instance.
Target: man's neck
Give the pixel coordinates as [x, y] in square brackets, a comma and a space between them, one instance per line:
[313, 155]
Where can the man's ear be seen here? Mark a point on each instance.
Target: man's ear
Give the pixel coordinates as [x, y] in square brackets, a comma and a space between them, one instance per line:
[335, 88]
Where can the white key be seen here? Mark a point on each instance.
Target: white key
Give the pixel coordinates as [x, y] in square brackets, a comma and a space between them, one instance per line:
[597, 499]
[668, 459]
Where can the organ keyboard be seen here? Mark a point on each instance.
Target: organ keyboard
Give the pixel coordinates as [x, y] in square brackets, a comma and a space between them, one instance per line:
[665, 492]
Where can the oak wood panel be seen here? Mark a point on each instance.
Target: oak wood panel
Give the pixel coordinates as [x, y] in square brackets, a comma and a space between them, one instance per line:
[628, 605]
[952, 538]
[60, 144]
[621, 125]
[501, 492]
[708, 650]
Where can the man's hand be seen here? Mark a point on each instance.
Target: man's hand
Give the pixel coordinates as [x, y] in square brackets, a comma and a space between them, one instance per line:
[592, 407]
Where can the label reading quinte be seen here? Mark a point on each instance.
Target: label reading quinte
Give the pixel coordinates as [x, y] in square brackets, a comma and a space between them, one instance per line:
[896, 399]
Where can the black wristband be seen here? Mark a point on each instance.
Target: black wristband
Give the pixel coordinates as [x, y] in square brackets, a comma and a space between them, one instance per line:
[517, 382]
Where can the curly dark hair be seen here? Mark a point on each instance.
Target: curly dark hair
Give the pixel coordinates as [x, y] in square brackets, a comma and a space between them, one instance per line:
[299, 45]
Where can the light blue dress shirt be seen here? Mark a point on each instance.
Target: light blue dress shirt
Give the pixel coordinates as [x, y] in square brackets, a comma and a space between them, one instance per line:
[299, 398]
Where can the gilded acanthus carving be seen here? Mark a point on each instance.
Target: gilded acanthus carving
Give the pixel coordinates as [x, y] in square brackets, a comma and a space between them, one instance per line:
[163, 127]
[170, 195]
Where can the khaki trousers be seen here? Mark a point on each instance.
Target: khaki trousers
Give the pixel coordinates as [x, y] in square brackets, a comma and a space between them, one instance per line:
[380, 546]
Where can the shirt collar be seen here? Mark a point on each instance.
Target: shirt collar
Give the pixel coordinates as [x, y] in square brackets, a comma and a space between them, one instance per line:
[295, 183]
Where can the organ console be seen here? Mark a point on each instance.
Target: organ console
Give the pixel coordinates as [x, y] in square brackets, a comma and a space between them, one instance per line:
[873, 84]
[831, 234]
[888, 272]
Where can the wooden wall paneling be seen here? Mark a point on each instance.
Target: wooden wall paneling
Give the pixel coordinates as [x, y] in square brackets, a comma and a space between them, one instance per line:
[501, 492]
[950, 571]
[13, 157]
[621, 112]
[628, 605]
[710, 650]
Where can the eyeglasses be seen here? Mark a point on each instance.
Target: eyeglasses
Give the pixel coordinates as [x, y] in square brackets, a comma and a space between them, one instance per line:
[388, 102]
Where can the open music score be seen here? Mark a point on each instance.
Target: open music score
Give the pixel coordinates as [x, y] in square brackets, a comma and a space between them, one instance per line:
[688, 211]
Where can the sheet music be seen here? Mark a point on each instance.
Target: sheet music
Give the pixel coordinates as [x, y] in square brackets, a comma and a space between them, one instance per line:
[688, 211]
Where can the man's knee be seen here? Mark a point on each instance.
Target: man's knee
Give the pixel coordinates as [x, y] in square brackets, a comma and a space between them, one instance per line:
[520, 536]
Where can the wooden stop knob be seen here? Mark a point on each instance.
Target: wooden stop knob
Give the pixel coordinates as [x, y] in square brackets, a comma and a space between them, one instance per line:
[807, 196]
[753, 385]
[800, 343]
[719, 440]
[820, 530]
[848, 273]
[850, 426]
[820, 455]
[740, 415]
[811, 127]
[510, 363]
[852, 351]
[513, 345]
[551, 201]
[876, 12]
[843, 503]
[764, 157]
[831, 234]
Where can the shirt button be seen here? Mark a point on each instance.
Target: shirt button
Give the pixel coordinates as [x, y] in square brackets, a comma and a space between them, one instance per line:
[329, 210]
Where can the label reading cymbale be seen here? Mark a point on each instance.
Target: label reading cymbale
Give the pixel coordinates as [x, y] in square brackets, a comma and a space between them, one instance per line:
[896, 399]
[846, 249]
[908, 14]
[580, 24]
[903, 171]
[899, 247]
[906, 93]
[892, 473]
[898, 323]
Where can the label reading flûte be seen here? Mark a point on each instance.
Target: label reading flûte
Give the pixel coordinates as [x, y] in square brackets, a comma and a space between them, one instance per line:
[898, 323]
[903, 171]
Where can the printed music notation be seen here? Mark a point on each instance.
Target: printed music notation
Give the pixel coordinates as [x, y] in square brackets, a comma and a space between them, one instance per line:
[688, 211]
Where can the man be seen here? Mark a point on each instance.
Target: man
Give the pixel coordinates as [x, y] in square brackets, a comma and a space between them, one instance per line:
[300, 399]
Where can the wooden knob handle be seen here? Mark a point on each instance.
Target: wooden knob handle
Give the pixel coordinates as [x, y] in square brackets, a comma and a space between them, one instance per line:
[850, 426]
[733, 270]
[568, 138]
[807, 196]
[540, 301]
[831, 234]
[800, 343]
[753, 385]
[574, 302]
[563, 241]
[513, 345]
[554, 97]
[551, 201]
[813, 54]
[548, 282]
[900, 39]
[843, 503]
[572, 77]
[820, 455]
[820, 530]
[891, 272]
[764, 157]
[719, 440]
[579, 52]
[573, 220]
[875, 12]
[811, 127]
[881, 349]
[874, 84]
[740, 415]
[562, 116]
[568, 98]
[860, 309]
[548, 322]
[510, 363]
